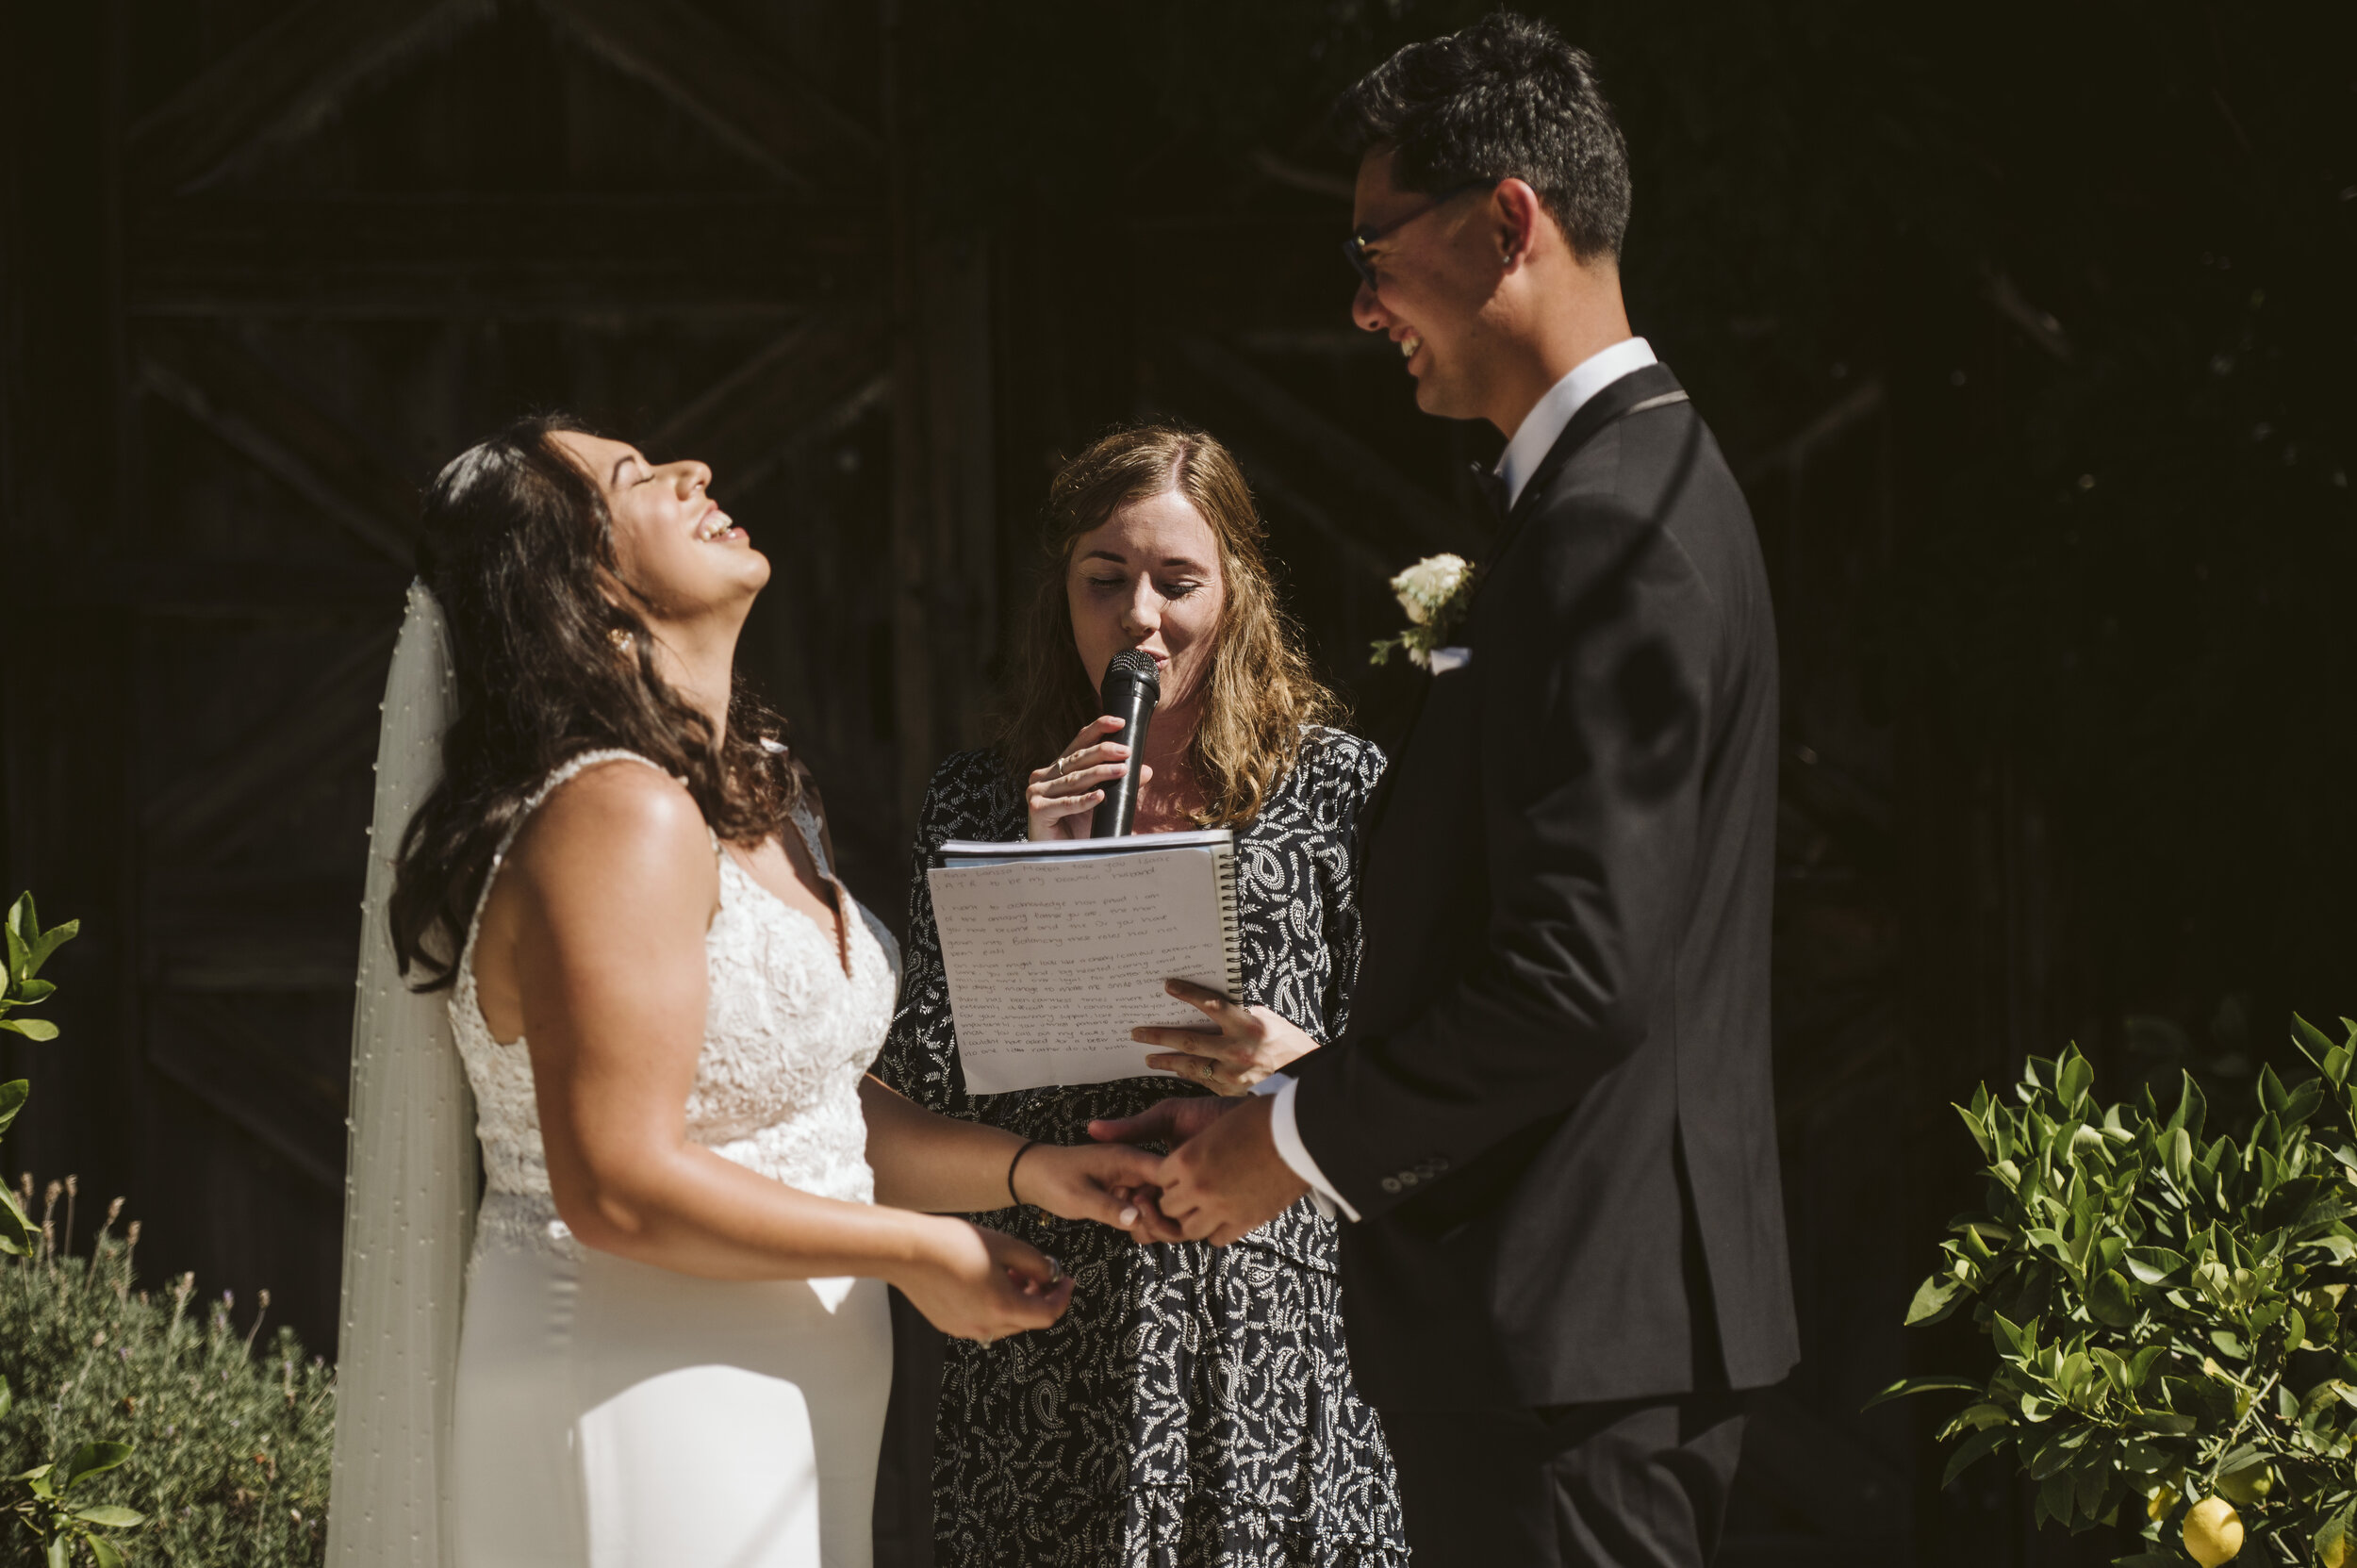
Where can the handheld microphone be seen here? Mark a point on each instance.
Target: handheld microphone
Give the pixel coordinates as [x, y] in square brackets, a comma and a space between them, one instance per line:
[1131, 689]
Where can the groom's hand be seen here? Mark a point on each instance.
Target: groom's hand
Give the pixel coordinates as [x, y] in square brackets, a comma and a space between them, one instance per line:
[1229, 1179]
[1169, 1123]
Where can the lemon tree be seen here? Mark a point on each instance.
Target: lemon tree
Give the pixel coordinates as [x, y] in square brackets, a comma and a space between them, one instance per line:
[2175, 1340]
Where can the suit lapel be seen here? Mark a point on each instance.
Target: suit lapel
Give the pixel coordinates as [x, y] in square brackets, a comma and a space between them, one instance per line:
[1645, 388]
[1649, 384]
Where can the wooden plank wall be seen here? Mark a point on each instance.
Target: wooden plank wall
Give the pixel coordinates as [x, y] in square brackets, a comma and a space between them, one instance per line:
[264, 264]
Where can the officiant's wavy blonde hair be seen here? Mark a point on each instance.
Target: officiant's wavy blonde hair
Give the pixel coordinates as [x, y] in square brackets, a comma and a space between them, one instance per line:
[1261, 694]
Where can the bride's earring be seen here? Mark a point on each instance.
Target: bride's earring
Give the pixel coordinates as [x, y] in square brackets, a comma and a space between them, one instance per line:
[621, 639]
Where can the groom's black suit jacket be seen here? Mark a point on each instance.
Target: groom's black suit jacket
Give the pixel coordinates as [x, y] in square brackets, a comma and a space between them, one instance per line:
[1553, 1107]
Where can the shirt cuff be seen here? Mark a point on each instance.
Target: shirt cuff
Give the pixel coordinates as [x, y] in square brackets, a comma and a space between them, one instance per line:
[1280, 1087]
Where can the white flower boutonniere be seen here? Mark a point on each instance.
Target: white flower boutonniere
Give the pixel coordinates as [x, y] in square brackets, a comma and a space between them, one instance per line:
[1434, 592]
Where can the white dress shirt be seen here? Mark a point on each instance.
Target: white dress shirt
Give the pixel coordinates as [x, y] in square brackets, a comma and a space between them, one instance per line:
[1532, 441]
[1535, 437]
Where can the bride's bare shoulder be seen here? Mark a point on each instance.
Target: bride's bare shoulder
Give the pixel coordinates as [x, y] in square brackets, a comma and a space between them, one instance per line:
[621, 821]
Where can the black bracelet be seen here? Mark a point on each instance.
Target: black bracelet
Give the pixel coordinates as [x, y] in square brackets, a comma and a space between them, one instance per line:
[1012, 1163]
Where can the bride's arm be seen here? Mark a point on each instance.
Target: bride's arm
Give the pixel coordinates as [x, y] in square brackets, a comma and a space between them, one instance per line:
[925, 1161]
[612, 886]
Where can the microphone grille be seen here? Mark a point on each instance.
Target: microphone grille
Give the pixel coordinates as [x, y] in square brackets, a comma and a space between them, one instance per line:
[1137, 663]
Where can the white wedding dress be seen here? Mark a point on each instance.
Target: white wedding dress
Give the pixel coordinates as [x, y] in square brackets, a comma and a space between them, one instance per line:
[613, 1414]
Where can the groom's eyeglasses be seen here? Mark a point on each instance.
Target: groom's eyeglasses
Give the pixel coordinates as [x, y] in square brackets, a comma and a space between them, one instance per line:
[1354, 248]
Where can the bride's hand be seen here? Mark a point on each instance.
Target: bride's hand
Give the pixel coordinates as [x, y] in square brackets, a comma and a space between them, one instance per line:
[980, 1284]
[1060, 795]
[1111, 1183]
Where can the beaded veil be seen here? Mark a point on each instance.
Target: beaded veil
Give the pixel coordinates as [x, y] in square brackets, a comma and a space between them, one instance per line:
[409, 1178]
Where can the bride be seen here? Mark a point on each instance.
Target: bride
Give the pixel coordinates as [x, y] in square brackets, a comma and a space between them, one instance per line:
[673, 1347]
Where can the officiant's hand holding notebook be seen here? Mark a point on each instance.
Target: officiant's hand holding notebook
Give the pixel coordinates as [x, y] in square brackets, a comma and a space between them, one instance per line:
[1056, 950]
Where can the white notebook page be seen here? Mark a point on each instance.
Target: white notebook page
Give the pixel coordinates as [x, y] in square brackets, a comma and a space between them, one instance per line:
[1052, 962]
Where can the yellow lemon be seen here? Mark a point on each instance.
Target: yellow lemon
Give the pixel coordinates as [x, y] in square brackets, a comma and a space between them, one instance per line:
[2213, 1531]
[2163, 1500]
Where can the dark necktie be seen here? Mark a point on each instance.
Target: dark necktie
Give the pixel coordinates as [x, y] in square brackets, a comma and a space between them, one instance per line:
[1491, 486]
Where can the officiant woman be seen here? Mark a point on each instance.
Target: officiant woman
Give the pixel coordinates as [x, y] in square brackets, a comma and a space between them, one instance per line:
[1195, 1406]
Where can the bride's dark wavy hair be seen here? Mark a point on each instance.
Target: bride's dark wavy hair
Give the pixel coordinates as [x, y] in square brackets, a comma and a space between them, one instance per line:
[519, 547]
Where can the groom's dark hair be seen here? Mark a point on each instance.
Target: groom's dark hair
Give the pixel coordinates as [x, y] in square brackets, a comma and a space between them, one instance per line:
[1506, 98]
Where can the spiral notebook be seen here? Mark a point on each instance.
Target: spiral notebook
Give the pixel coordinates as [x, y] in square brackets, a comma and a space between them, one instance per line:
[1056, 950]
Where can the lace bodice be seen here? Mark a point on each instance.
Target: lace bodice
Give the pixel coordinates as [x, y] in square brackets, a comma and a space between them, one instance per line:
[788, 1037]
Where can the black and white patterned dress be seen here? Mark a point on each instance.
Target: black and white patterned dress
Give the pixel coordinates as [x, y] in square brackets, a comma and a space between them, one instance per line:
[1194, 1408]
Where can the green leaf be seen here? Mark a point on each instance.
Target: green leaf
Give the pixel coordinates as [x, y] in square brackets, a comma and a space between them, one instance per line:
[1973, 1448]
[1973, 1418]
[1933, 1300]
[2312, 1041]
[2306, 1096]
[110, 1516]
[2335, 1531]
[12, 1098]
[2180, 1156]
[2271, 1093]
[2168, 1423]
[17, 1233]
[2110, 1302]
[49, 942]
[2059, 1496]
[32, 1029]
[2077, 1077]
[2193, 1109]
[92, 1458]
[103, 1553]
[60, 1552]
[1906, 1386]
[2155, 1265]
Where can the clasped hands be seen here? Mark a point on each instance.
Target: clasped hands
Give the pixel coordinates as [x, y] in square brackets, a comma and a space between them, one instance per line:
[1222, 1177]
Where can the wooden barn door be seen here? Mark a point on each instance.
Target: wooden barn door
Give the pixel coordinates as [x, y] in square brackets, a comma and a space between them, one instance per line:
[336, 240]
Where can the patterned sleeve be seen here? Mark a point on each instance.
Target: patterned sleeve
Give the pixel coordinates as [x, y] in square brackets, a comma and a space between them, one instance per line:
[920, 1054]
[1348, 768]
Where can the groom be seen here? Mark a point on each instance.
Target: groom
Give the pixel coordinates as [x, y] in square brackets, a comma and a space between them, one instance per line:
[1551, 1123]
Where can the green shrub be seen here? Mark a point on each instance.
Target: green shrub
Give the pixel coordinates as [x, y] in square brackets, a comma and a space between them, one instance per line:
[2172, 1317]
[229, 1452]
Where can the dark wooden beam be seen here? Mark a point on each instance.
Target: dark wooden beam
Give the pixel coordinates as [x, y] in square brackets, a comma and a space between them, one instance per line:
[508, 256]
[1792, 453]
[331, 724]
[800, 382]
[285, 79]
[912, 557]
[286, 431]
[736, 90]
[208, 587]
[205, 1048]
[1342, 458]
[1272, 484]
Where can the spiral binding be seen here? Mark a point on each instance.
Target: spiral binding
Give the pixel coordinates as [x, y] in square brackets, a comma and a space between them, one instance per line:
[1231, 933]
